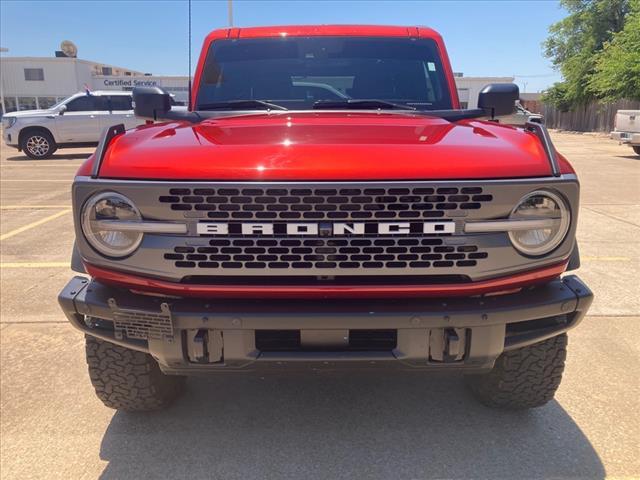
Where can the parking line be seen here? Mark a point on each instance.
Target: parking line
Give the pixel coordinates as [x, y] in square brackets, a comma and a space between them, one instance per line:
[41, 166]
[35, 265]
[35, 180]
[34, 224]
[606, 259]
[32, 207]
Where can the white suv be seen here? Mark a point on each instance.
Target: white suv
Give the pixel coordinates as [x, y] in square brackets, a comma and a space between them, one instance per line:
[77, 121]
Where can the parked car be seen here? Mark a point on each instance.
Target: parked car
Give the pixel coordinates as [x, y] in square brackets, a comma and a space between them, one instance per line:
[77, 121]
[627, 128]
[269, 229]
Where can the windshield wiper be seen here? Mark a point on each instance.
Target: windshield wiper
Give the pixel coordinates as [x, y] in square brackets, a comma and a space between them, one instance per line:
[241, 105]
[361, 104]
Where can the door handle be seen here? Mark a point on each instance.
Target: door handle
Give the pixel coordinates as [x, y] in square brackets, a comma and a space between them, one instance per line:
[92, 116]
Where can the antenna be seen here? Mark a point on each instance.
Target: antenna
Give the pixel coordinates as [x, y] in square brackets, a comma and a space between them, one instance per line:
[189, 42]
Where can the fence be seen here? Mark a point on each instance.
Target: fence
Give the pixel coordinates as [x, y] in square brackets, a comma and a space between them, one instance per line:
[591, 117]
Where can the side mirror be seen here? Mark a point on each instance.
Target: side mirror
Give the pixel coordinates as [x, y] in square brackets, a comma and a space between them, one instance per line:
[62, 109]
[498, 98]
[151, 102]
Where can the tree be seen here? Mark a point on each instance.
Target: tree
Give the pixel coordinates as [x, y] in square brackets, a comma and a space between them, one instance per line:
[575, 41]
[617, 66]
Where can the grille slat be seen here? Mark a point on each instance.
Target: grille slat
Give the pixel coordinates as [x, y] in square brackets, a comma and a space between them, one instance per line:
[326, 204]
[326, 253]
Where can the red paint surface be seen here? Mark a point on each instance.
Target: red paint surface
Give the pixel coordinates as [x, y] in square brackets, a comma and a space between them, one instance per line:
[303, 146]
[318, 292]
[87, 166]
[320, 146]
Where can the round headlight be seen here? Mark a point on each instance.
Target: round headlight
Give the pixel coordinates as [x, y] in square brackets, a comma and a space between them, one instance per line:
[554, 216]
[96, 214]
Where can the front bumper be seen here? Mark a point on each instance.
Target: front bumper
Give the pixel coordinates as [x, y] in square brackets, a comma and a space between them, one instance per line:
[626, 137]
[10, 137]
[198, 335]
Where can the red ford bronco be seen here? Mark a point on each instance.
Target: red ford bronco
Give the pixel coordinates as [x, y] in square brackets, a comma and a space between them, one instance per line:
[325, 203]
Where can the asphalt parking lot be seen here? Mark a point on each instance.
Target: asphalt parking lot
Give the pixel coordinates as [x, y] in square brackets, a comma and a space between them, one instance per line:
[400, 425]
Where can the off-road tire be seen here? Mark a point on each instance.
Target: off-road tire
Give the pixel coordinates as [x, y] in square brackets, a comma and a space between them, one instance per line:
[637, 150]
[129, 380]
[38, 144]
[524, 378]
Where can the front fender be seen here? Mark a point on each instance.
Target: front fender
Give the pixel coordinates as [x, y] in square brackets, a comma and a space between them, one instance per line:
[76, 260]
[574, 258]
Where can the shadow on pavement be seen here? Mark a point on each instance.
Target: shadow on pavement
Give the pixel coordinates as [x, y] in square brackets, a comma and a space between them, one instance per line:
[401, 425]
[629, 157]
[55, 156]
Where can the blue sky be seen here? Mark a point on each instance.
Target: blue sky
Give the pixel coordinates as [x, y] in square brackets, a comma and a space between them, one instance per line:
[484, 38]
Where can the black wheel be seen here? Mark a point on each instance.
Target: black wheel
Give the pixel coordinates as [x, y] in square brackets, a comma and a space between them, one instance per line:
[637, 149]
[524, 378]
[38, 144]
[129, 380]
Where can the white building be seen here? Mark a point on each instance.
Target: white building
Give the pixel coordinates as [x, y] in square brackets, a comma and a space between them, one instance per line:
[28, 83]
[176, 85]
[469, 88]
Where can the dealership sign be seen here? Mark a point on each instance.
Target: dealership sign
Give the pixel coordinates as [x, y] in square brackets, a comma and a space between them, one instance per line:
[130, 83]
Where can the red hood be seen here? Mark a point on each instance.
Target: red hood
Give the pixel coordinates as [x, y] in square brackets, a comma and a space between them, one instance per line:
[325, 146]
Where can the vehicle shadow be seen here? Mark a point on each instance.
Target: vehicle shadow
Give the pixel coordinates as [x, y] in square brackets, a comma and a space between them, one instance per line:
[55, 156]
[629, 157]
[344, 425]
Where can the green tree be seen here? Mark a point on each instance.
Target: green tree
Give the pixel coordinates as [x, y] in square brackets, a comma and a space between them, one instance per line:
[574, 42]
[617, 66]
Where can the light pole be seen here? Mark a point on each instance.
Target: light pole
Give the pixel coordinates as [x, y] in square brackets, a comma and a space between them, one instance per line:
[2, 50]
[230, 12]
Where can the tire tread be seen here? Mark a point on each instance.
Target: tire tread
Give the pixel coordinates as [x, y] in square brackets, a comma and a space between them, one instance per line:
[524, 378]
[129, 380]
[26, 133]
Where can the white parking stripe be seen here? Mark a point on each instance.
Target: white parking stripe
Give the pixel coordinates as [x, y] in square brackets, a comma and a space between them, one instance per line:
[15, 232]
[35, 265]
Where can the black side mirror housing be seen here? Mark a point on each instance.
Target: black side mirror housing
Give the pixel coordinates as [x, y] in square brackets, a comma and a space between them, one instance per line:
[152, 103]
[498, 99]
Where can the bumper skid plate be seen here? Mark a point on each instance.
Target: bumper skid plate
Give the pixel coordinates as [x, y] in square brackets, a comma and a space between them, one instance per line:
[199, 335]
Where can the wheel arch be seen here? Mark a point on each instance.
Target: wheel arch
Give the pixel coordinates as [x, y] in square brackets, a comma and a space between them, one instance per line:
[34, 128]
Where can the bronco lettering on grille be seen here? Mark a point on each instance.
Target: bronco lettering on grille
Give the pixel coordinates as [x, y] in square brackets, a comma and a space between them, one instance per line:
[324, 229]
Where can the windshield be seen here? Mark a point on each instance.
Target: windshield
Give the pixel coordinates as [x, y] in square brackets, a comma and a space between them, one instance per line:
[300, 72]
[64, 100]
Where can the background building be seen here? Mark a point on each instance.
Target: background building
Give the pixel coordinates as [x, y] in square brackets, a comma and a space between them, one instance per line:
[39, 82]
[469, 88]
[28, 83]
[176, 85]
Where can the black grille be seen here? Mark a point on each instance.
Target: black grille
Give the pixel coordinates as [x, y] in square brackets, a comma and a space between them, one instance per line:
[325, 203]
[326, 253]
[320, 280]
